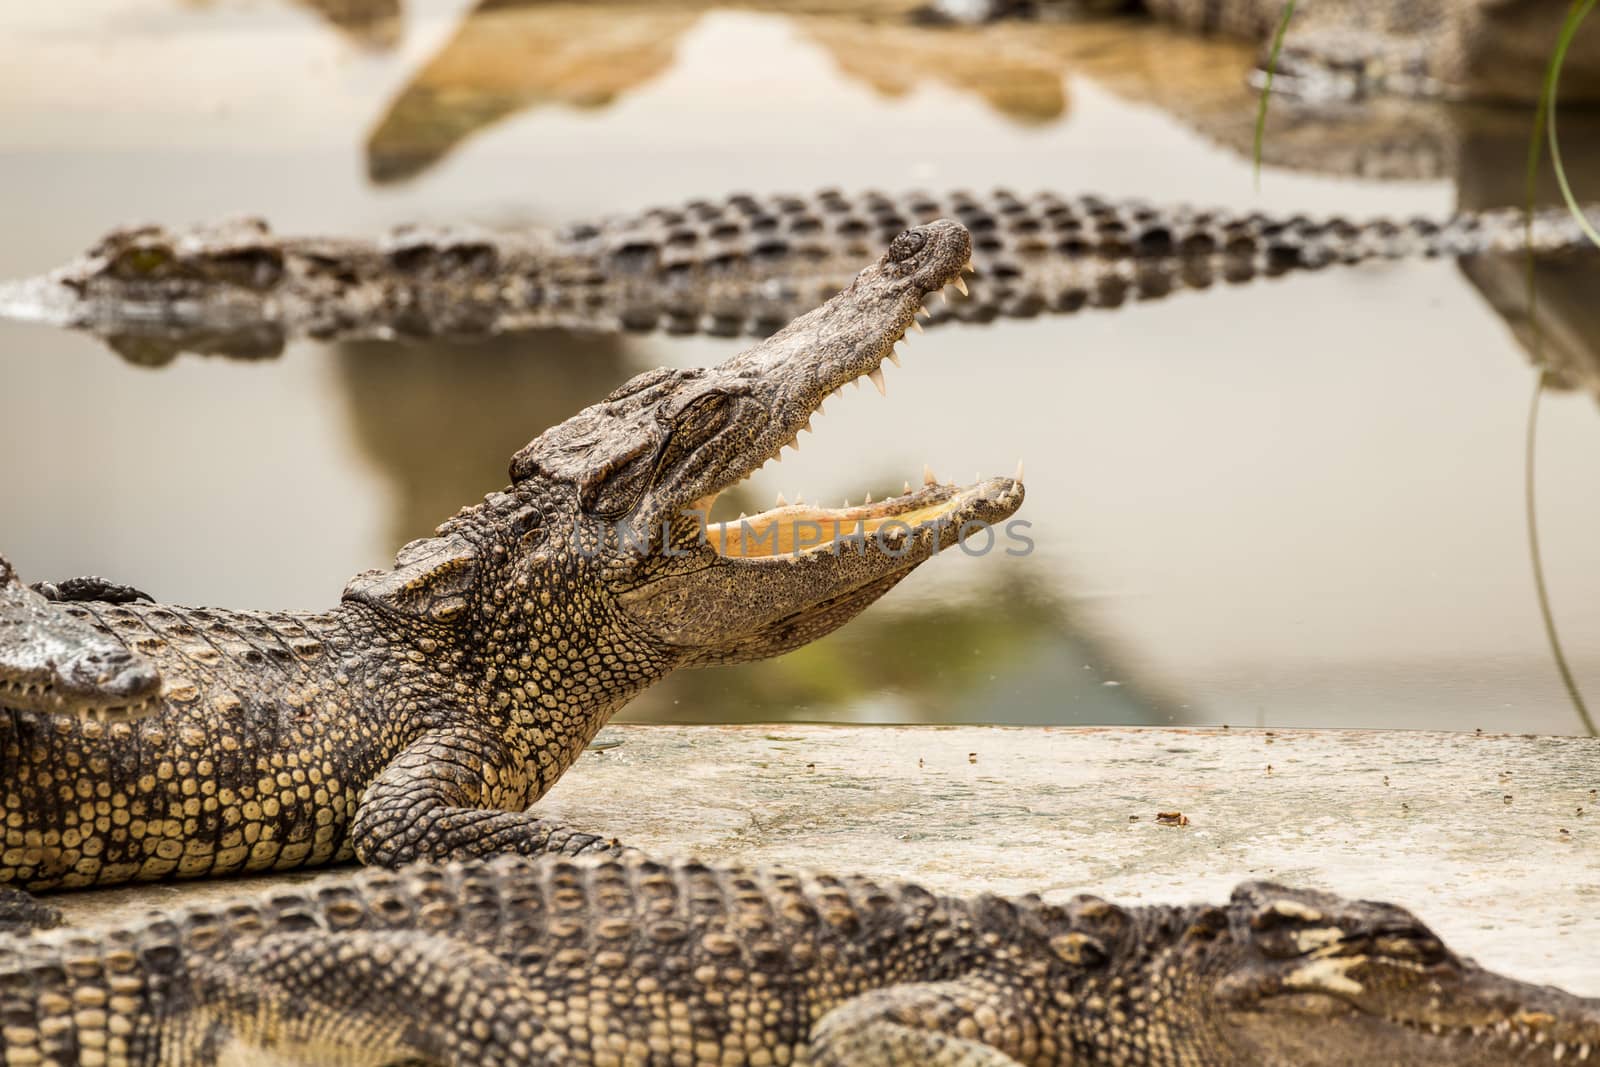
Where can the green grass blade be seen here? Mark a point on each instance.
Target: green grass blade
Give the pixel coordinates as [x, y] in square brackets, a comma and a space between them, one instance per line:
[1535, 557]
[1266, 87]
[1579, 11]
[1543, 125]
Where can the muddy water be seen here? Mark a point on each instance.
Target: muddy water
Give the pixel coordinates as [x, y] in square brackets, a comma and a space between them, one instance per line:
[1299, 502]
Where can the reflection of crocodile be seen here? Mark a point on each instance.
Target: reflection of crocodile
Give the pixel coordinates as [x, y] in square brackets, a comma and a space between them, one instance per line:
[553, 961]
[746, 264]
[491, 392]
[506, 58]
[936, 661]
[421, 716]
[1482, 49]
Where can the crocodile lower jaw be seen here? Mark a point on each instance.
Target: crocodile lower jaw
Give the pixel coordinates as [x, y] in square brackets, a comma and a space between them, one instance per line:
[795, 529]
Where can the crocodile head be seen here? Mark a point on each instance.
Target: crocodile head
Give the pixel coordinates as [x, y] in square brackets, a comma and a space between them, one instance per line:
[1316, 979]
[602, 534]
[645, 466]
[153, 266]
[53, 662]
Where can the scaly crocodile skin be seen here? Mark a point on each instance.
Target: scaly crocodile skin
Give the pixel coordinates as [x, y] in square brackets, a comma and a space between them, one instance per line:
[636, 962]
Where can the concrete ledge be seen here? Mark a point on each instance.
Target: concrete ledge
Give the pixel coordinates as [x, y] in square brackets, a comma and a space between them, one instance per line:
[1494, 840]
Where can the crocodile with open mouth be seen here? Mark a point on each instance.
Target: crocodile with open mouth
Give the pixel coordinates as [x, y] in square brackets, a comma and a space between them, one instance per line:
[745, 264]
[633, 961]
[420, 717]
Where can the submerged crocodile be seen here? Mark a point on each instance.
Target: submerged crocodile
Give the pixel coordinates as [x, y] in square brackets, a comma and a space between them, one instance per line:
[424, 714]
[516, 961]
[1339, 49]
[743, 265]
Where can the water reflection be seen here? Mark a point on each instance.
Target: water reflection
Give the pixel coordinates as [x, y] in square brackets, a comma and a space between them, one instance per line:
[1008, 652]
[371, 24]
[507, 57]
[504, 59]
[440, 419]
[374, 24]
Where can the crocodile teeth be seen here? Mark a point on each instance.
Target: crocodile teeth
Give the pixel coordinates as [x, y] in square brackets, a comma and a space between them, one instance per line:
[807, 427]
[868, 500]
[905, 490]
[894, 357]
[928, 477]
[917, 325]
[876, 375]
[924, 312]
[961, 284]
[1018, 477]
[782, 503]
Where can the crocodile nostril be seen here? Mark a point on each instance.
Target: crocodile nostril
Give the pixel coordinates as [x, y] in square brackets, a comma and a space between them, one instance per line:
[907, 245]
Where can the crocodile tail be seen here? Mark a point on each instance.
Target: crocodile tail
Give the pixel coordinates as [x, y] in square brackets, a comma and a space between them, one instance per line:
[1285, 245]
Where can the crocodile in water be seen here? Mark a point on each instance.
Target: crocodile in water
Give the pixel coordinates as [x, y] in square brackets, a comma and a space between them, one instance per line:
[630, 961]
[423, 715]
[742, 265]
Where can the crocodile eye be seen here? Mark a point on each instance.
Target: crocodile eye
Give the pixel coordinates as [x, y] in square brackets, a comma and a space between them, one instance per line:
[1286, 928]
[694, 426]
[619, 481]
[703, 417]
[141, 262]
[251, 268]
[1410, 941]
[907, 245]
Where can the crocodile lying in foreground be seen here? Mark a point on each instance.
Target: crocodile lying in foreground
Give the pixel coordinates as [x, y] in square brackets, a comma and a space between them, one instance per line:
[1342, 49]
[631, 961]
[419, 718]
[743, 265]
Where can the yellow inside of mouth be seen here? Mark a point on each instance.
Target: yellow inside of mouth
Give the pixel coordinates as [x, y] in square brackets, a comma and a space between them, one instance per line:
[789, 530]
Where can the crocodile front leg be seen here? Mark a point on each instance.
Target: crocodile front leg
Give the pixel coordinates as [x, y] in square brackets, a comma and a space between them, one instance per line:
[446, 798]
[963, 1023]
